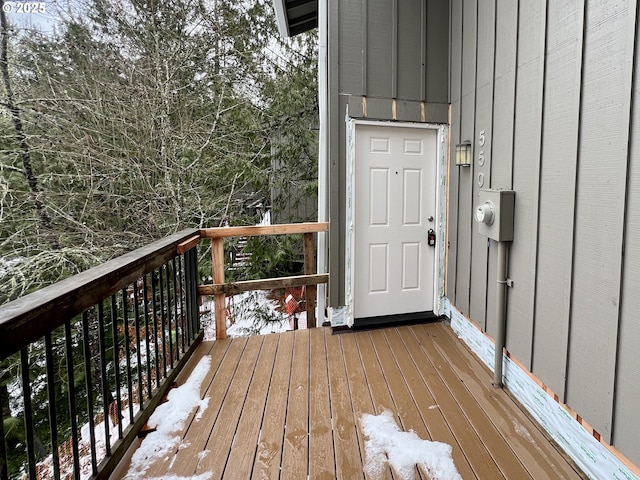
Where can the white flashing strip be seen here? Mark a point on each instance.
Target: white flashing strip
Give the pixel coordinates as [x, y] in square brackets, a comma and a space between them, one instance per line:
[281, 17]
[323, 158]
[350, 245]
[595, 460]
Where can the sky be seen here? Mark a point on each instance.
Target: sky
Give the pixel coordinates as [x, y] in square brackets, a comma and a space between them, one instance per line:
[42, 16]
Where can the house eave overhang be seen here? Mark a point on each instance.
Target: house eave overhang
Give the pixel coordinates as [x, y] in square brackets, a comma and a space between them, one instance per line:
[295, 16]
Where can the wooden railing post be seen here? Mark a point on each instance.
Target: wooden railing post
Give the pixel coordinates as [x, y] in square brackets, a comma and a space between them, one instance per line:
[220, 308]
[310, 269]
[219, 288]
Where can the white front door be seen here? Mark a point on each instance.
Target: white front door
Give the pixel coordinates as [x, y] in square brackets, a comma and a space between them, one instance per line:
[394, 209]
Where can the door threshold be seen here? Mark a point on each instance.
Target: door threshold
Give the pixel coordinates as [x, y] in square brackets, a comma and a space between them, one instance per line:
[398, 319]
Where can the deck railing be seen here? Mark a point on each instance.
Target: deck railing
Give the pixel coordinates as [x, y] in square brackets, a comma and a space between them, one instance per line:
[219, 289]
[95, 354]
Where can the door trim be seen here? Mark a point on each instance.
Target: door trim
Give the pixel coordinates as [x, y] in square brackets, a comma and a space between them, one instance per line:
[441, 207]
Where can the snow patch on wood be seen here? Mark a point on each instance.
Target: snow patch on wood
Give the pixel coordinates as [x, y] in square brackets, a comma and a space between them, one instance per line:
[169, 419]
[386, 444]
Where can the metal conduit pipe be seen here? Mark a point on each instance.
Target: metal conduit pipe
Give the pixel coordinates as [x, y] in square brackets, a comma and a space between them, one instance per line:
[501, 299]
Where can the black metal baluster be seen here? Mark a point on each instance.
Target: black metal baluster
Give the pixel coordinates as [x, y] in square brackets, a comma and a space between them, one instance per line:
[170, 317]
[72, 399]
[196, 282]
[116, 360]
[51, 393]
[136, 310]
[195, 318]
[28, 411]
[4, 472]
[154, 310]
[187, 289]
[182, 301]
[89, 387]
[163, 322]
[175, 313]
[146, 336]
[127, 350]
[106, 391]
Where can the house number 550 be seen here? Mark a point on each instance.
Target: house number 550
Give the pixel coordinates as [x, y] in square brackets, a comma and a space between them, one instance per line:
[481, 140]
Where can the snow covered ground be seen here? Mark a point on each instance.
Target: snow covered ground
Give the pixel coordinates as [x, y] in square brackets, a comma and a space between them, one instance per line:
[250, 313]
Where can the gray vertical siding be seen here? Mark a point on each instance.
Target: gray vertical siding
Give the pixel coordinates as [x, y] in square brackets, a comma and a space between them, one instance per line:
[627, 388]
[349, 45]
[503, 109]
[410, 51]
[371, 57]
[557, 191]
[564, 134]
[380, 53]
[336, 215]
[526, 175]
[467, 127]
[436, 54]
[483, 129]
[504, 98]
[453, 178]
[602, 172]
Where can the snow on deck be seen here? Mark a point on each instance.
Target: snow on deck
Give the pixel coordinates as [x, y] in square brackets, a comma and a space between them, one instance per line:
[309, 404]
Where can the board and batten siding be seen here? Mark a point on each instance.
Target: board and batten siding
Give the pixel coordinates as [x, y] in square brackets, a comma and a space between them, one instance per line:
[550, 84]
[380, 71]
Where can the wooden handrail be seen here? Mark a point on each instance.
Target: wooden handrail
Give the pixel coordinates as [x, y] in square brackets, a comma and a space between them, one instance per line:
[188, 244]
[257, 230]
[234, 288]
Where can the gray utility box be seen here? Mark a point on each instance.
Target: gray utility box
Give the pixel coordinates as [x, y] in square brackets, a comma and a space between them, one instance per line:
[494, 214]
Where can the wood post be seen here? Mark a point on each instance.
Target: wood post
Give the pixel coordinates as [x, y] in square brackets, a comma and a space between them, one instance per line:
[220, 307]
[310, 269]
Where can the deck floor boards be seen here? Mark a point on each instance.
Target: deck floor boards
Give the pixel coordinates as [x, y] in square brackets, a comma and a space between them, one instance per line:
[288, 406]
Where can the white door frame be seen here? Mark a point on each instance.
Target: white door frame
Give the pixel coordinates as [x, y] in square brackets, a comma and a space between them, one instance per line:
[441, 213]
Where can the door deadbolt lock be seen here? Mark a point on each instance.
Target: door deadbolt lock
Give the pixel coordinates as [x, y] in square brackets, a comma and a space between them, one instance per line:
[431, 238]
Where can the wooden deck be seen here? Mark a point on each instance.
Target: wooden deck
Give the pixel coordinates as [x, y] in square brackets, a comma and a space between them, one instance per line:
[288, 406]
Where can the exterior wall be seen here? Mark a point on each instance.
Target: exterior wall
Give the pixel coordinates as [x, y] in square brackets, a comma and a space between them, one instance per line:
[550, 83]
[379, 71]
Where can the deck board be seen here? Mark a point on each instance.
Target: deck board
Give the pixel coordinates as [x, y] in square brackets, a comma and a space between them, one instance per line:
[288, 406]
[322, 464]
[296, 438]
[471, 444]
[345, 438]
[504, 412]
[359, 388]
[439, 429]
[496, 445]
[248, 432]
[269, 449]
[221, 437]
[404, 403]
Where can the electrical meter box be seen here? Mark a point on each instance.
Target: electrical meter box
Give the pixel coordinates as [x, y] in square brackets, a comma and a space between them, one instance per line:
[494, 214]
